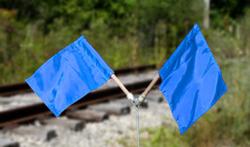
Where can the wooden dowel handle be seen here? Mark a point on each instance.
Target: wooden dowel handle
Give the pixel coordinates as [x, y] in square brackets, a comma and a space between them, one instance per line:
[123, 88]
[150, 86]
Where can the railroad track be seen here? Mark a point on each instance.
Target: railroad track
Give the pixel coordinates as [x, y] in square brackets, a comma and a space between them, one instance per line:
[83, 118]
[30, 113]
[18, 88]
[94, 107]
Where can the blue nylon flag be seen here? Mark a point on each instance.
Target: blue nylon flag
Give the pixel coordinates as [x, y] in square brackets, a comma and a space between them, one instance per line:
[191, 80]
[69, 75]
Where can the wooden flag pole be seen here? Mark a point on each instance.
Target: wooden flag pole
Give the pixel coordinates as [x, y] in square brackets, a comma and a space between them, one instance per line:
[123, 88]
[150, 86]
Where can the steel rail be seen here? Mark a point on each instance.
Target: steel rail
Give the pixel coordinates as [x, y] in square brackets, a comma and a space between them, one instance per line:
[18, 88]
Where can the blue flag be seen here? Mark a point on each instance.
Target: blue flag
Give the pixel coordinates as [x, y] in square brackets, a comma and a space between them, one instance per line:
[191, 80]
[69, 75]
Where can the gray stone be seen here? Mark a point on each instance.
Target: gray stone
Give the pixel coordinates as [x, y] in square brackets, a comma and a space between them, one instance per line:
[75, 125]
[155, 96]
[123, 101]
[42, 133]
[112, 108]
[4, 142]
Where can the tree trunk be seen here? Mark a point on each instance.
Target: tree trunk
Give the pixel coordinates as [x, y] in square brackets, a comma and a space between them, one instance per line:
[206, 14]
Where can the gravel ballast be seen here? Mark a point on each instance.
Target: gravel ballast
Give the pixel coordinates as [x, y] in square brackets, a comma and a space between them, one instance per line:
[102, 134]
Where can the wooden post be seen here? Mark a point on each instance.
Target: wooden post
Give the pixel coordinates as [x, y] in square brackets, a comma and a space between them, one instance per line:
[206, 14]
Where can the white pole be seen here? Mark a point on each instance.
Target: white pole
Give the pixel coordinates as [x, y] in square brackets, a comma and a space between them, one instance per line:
[123, 88]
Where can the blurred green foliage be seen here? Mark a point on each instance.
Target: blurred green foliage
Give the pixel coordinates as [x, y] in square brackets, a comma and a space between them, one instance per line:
[125, 33]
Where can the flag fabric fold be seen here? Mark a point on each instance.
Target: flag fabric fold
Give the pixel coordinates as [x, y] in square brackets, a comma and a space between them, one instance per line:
[69, 75]
[191, 80]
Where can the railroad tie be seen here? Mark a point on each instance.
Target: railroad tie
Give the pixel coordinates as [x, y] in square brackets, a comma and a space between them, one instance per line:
[88, 115]
[144, 104]
[155, 96]
[38, 132]
[129, 104]
[4, 101]
[72, 124]
[5, 142]
[111, 108]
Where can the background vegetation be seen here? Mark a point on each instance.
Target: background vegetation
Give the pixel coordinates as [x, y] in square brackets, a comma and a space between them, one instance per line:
[135, 32]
